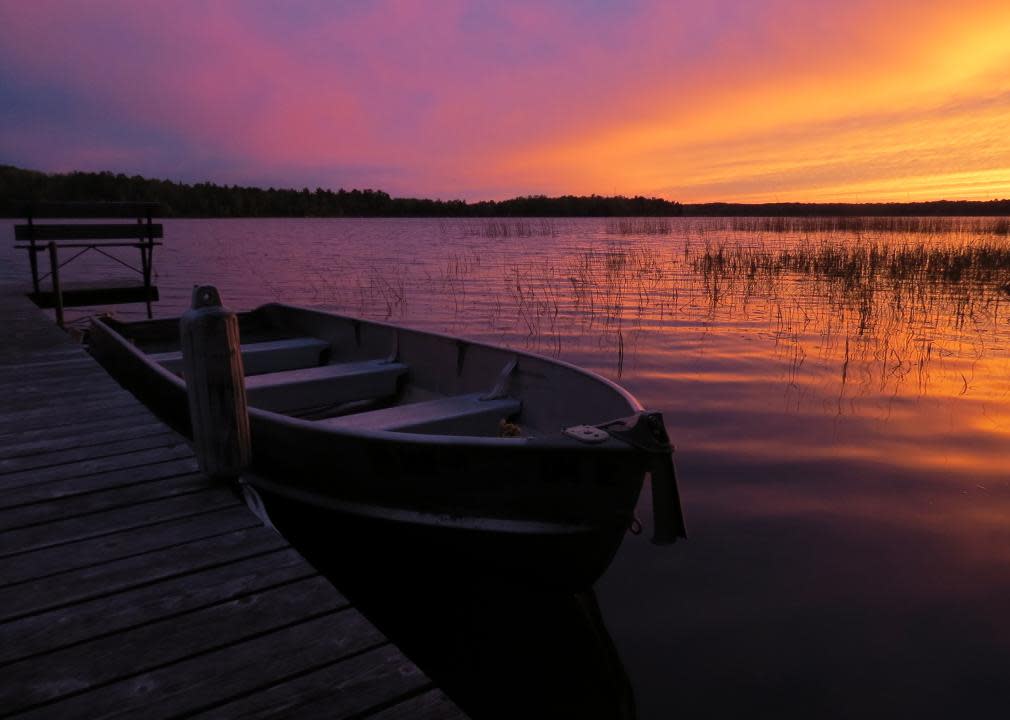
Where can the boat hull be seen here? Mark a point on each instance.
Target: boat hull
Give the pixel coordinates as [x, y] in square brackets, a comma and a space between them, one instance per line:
[551, 511]
[565, 559]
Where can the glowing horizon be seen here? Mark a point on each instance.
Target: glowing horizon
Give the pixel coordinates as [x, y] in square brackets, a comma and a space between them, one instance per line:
[725, 101]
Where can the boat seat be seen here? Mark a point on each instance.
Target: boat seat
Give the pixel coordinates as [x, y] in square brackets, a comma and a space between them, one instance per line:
[324, 385]
[456, 415]
[265, 357]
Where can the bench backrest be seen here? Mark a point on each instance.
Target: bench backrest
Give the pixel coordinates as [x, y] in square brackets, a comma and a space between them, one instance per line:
[141, 230]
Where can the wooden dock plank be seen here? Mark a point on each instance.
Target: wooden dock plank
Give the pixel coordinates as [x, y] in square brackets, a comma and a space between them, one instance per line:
[47, 631]
[43, 591]
[432, 705]
[69, 423]
[52, 413]
[28, 397]
[65, 356]
[164, 438]
[132, 585]
[167, 535]
[49, 441]
[126, 654]
[94, 466]
[73, 529]
[349, 688]
[191, 684]
[120, 497]
[73, 430]
[72, 367]
[70, 487]
[79, 380]
[68, 392]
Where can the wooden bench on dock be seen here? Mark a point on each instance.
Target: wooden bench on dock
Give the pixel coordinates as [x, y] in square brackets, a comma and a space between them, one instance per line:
[139, 231]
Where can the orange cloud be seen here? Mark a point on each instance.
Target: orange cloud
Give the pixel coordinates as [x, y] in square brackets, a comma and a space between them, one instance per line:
[727, 100]
[883, 114]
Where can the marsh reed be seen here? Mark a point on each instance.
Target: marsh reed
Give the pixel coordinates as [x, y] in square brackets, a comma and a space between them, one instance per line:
[863, 305]
[639, 226]
[887, 311]
[503, 228]
[885, 225]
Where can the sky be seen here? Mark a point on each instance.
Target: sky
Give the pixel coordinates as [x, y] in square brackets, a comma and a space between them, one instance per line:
[721, 100]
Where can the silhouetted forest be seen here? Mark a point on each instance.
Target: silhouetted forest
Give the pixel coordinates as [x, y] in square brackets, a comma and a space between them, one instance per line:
[19, 189]
[909, 209]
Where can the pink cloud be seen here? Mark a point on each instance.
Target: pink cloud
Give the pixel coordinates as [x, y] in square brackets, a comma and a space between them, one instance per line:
[450, 97]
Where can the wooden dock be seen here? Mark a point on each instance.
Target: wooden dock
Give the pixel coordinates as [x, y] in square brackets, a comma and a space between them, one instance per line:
[131, 585]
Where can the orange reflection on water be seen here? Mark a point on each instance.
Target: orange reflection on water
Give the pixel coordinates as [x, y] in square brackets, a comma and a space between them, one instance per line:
[878, 343]
[884, 344]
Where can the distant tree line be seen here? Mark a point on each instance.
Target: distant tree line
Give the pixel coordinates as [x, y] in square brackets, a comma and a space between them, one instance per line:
[907, 209]
[21, 188]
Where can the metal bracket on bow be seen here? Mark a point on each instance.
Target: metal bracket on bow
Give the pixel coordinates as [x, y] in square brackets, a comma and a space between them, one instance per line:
[647, 432]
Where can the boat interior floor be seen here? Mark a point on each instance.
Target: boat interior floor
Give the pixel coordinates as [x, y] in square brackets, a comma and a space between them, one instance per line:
[472, 414]
[290, 390]
[293, 376]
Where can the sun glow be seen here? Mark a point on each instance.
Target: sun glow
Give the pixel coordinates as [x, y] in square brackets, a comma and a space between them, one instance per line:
[727, 101]
[862, 132]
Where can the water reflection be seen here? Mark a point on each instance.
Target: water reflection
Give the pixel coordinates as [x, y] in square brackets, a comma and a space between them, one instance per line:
[839, 396]
[847, 313]
[498, 649]
[814, 589]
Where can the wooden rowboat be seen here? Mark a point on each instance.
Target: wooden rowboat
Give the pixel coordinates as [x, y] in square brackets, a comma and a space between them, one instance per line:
[522, 464]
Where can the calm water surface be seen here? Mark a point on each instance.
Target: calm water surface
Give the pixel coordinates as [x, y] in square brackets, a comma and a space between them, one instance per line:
[840, 405]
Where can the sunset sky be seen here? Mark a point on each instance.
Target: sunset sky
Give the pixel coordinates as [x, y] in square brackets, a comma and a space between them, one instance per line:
[735, 100]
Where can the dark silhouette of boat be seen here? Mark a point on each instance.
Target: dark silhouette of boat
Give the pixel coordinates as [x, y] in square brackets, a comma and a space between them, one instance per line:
[511, 462]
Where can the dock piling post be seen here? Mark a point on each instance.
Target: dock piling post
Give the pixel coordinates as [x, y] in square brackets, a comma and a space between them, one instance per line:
[54, 273]
[33, 259]
[215, 385]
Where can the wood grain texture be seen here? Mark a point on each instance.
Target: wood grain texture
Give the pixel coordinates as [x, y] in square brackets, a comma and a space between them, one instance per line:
[74, 529]
[49, 441]
[94, 466]
[132, 585]
[180, 638]
[38, 513]
[51, 413]
[110, 448]
[345, 689]
[53, 629]
[432, 705]
[70, 487]
[109, 562]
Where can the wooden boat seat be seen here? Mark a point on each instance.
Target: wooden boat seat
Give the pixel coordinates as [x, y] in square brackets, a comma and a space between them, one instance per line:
[265, 357]
[456, 415]
[324, 385]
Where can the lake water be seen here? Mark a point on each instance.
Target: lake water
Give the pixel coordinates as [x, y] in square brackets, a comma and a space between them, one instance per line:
[840, 404]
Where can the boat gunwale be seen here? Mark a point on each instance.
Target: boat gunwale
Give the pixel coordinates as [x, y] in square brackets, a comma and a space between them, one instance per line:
[534, 444]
